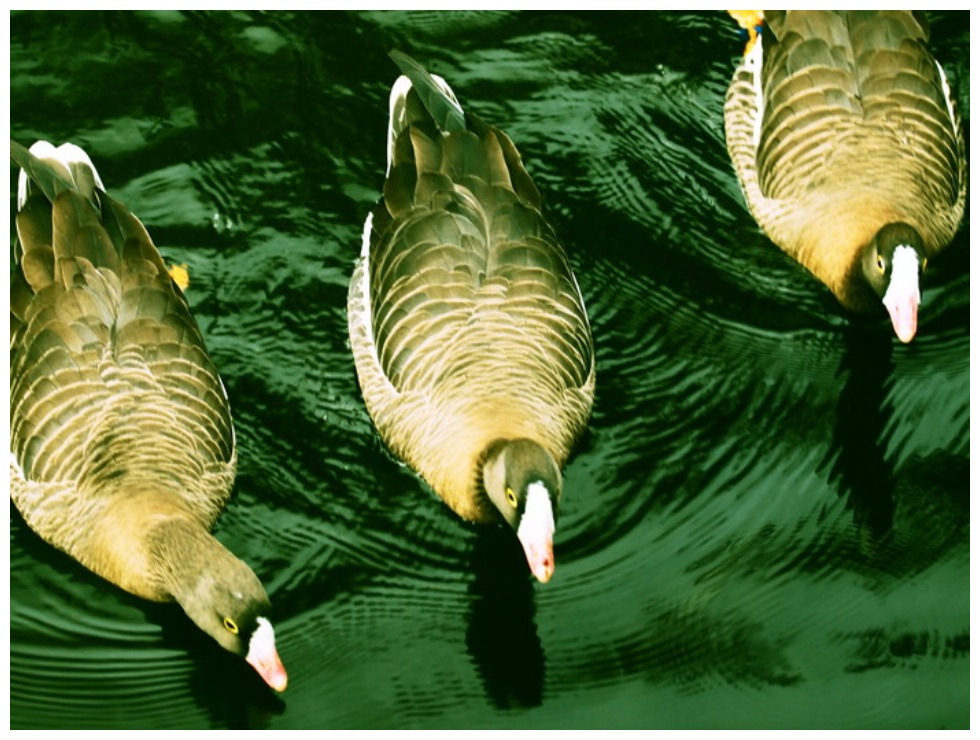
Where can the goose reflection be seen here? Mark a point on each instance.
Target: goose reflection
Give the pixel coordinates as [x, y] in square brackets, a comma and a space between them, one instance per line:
[860, 467]
[502, 637]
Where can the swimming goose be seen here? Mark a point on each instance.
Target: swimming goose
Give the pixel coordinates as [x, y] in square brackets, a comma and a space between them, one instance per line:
[470, 337]
[122, 451]
[850, 151]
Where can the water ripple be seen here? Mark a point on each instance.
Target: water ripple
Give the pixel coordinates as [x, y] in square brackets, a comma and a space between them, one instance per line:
[766, 524]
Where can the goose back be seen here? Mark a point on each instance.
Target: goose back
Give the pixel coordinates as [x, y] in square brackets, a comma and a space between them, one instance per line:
[113, 396]
[122, 449]
[839, 123]
[466, 322]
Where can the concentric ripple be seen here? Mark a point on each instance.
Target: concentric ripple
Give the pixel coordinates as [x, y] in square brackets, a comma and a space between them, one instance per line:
[766, 524]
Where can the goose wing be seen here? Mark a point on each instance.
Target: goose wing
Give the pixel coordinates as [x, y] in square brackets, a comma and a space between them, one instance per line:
[465, 318]
[846, 113]
[458, 263]
[111, 386]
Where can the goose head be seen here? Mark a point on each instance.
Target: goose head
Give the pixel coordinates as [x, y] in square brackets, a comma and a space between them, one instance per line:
[225, 599]
[892, 263]
[523, 481]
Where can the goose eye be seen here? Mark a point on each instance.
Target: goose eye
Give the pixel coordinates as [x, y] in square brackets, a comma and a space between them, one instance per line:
[881, 264]
[511, 496]
[231, 625]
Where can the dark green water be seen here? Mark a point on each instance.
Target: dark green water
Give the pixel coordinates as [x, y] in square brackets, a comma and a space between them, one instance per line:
[767, 525]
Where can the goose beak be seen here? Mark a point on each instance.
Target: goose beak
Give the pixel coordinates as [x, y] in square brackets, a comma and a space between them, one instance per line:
[536, 530]
[902, 297]
[540, 557]
[904, 313]
[262, 656]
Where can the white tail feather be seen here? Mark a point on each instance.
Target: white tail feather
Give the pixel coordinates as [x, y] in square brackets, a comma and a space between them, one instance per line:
[69, 161]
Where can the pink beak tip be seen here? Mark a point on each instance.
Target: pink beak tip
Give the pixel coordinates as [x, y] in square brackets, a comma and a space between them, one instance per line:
[542, 566]
[544, 572]
[905, 319]
[905, 325]
[272, 672]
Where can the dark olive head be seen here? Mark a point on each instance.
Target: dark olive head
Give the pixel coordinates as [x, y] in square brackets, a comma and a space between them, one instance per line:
[226, 600]
[510, 468]
[523, 481]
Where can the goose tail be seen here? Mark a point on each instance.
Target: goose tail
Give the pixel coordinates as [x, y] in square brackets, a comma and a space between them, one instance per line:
[53, 170]
[434, 102]
[60, 201]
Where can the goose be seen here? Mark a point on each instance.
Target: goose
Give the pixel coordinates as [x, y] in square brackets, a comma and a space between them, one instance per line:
[122, 449]
[470, 336]
[850, 152]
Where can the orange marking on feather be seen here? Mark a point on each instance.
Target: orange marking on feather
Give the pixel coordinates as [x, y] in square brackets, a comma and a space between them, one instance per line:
[750, 20]
[180, 275]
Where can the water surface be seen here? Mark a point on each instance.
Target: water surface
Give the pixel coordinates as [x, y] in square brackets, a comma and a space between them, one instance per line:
[766, 525]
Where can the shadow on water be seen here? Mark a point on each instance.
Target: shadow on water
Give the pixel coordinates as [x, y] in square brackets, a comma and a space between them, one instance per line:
[502, 637]
[224, 685]
[864, 476]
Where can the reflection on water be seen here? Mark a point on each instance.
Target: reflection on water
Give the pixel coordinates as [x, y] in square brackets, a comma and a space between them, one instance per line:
[861, 466]
[766, 525]
[501, 634]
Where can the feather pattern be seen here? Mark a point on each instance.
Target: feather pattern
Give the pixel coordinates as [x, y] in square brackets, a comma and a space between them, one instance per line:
[466, 322]
[839, 123]
[122, 448]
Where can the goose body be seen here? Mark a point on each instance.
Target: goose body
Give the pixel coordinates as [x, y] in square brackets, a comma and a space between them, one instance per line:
[469, 332]
[122, 449]
[850, 151]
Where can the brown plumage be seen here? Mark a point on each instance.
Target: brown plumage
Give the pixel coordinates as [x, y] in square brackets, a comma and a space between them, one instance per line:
[848, 147]
[469, 332]
[122, 450]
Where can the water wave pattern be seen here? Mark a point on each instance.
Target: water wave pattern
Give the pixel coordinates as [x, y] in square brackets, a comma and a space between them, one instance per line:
[766, 524]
